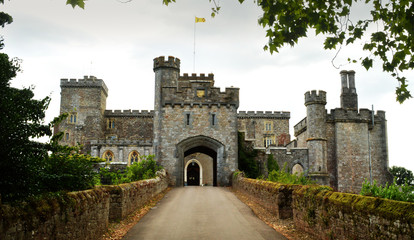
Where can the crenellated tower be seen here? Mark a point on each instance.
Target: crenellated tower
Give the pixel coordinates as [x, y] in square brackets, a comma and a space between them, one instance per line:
[192, 116]
[166, 75]
[84, 100]
[316, 135]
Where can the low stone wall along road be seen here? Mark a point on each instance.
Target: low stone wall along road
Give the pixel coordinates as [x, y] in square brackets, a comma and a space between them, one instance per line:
[201, 213]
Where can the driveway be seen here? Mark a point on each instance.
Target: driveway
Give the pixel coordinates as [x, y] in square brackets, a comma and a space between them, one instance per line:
[201, 213]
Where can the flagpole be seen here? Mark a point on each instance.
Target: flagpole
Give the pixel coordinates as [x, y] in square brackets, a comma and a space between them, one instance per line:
[194, 45]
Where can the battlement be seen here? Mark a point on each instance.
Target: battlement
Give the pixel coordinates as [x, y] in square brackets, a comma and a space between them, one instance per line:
[315, 97]
[172, 62]
[350, 115]
[191, 96]
[129, 113]
[300, 127]
[266, 114]
[193, 76]
[86, 82]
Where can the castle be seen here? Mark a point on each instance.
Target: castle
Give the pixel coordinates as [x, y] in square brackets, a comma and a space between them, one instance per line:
[193, 131]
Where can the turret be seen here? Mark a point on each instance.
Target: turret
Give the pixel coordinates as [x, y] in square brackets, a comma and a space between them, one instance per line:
[316, 135]
[167, 73]
[349, 97]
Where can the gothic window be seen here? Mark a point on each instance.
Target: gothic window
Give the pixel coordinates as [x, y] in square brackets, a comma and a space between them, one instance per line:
[133, 157]
[72, 118]
[67, 137]
[111, 123]
[108, 156]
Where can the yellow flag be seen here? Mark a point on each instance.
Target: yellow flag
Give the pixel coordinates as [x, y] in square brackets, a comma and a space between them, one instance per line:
[199, 19]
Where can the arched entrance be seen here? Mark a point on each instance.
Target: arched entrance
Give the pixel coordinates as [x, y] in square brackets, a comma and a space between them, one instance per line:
[200, 144]
[193, 173]
[297, 169]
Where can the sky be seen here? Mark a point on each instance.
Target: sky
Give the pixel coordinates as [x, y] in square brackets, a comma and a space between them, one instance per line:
[117, 42]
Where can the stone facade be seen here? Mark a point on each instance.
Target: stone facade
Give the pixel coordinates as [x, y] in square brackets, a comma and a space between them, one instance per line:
[192, 131]
[347, 145]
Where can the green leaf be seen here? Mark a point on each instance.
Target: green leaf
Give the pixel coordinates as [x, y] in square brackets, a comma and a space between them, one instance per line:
[74, 3]
[367, 63]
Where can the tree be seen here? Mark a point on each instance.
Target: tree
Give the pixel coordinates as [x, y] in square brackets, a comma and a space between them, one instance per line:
[21, 120]
[402, 175]
[247, 158]
[272, 163]
[25, 164]
[392, 43]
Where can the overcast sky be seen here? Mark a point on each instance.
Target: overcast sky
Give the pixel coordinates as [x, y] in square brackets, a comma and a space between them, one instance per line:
[117, 42]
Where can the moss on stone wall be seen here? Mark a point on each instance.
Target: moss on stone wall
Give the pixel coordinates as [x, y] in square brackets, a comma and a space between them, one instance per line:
[335, 215]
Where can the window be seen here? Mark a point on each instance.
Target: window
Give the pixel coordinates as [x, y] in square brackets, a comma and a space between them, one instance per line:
[108, 156]
[267, 141]
[72, 118]
[133, 157]
[213, 119]
[268, 126]
[188, 119]
[67, 137]
[111, 124]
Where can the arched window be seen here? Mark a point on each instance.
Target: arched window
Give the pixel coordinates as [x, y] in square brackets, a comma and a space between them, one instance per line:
[111, 124]
[133, 157]
[108, 156]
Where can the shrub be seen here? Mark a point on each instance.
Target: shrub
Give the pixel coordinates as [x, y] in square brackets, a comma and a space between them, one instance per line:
[272, 163]
[283, 176]
[145, 169]
[393, 191]
[108, 177]
[68, 170]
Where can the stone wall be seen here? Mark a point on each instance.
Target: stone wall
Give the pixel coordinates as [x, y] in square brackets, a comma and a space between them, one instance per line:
[126, 198]
[77, 215]
[274, 197]
[291, 157]
[334, 215]
[331, 215]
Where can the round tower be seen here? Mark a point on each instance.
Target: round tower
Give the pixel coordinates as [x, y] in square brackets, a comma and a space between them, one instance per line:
[316, 135]
[167, 73]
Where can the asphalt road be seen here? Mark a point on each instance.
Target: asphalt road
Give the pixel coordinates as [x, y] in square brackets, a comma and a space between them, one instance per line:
[201, 213]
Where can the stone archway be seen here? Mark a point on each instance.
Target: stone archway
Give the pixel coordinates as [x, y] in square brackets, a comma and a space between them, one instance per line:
[186, 173]
[208, 146]
[297, 169]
